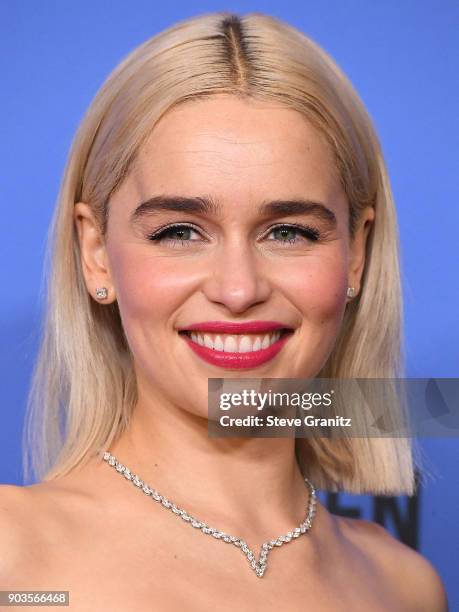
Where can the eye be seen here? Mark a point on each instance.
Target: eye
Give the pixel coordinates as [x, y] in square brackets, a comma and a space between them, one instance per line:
[289, 233]
[174, 234]
[180, 234]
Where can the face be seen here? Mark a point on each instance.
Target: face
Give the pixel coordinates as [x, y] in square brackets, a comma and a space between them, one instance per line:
[243, 221]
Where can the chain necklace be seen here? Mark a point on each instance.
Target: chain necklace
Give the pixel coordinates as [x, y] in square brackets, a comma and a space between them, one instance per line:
[259, 566]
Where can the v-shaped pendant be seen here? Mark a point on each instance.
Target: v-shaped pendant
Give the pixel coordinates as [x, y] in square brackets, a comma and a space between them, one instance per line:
[259, 566]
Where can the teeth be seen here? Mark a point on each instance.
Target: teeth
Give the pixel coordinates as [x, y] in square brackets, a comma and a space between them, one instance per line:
[246, 344]
[208, 341]
[265, 342]
[235, 343]
[218, 343]
[230, 344]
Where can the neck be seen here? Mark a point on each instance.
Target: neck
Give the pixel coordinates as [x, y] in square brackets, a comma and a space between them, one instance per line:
[228, 481]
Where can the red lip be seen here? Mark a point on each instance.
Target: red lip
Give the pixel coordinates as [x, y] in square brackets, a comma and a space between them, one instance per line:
[227, 327]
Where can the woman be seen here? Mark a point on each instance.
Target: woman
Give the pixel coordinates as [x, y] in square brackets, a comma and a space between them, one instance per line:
[225, 185]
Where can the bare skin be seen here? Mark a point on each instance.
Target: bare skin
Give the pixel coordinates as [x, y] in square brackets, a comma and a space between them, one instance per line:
[90, 531]
[113, 549]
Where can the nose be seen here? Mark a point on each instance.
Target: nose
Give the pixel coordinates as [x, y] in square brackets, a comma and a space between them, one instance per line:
[235, 279]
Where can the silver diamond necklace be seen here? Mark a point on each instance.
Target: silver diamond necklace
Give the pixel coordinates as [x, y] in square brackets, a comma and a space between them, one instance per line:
[259, 566]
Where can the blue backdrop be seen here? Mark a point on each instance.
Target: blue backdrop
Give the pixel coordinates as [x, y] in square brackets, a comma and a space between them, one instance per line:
[402, 56]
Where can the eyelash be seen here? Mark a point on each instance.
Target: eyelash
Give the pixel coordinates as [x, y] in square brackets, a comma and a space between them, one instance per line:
[310, 233]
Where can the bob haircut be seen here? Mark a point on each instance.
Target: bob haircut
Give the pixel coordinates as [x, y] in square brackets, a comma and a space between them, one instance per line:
[83, 388]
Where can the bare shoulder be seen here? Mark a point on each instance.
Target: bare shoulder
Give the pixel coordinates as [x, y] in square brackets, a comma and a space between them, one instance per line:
[404, 570]
[12, 510]
[13, 520]
[40, 519]
[28, 527]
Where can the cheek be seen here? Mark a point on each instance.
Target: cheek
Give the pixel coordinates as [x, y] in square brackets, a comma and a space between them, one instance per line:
[148, 289]
[318, 289]
[319, 293]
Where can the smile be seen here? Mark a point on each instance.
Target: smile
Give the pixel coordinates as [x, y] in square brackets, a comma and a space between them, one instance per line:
[236, 350]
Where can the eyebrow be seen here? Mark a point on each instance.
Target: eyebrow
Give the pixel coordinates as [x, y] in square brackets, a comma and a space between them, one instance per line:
[206, 206]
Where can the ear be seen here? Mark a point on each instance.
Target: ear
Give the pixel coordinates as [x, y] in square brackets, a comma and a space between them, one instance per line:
[357, 248]
[94, 258]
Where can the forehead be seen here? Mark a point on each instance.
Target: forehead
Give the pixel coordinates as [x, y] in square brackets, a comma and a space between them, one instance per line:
[238, 151]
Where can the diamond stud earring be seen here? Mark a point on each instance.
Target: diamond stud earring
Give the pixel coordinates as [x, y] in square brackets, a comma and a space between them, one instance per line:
[350, 292]
[102, 293]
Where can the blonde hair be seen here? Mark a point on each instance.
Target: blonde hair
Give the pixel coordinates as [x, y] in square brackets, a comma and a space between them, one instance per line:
[83, 388]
